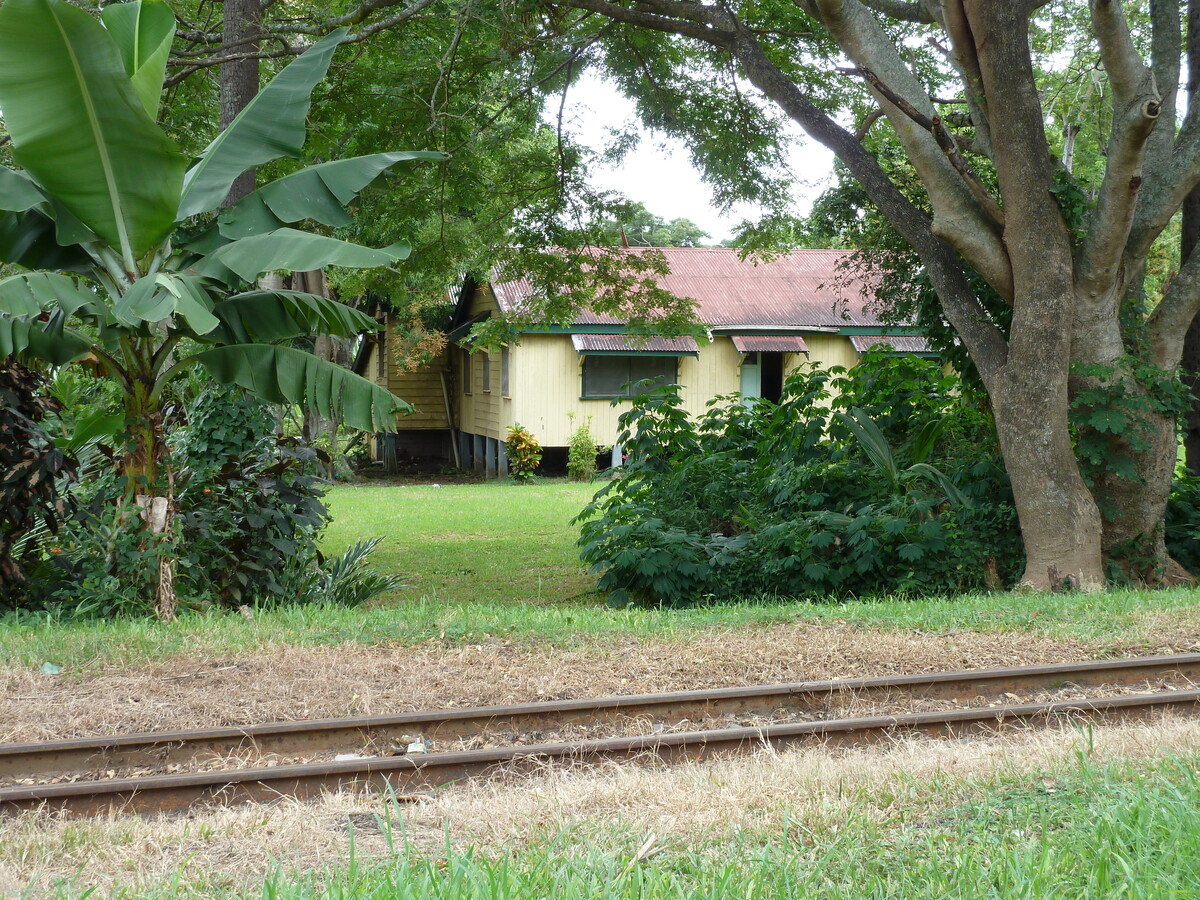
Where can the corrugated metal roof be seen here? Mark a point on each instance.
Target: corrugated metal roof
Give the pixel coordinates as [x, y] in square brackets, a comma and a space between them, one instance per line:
[803, 288]
[769, 344]
[623, 343]
[899, 343]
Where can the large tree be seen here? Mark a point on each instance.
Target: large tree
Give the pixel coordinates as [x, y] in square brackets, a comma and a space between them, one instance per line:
[960, 83]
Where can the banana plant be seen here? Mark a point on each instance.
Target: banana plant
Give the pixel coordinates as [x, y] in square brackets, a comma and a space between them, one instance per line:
[113, 268]
[878, 451]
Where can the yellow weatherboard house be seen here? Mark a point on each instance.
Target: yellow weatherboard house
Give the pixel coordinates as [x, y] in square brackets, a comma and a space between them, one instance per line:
[762, 321]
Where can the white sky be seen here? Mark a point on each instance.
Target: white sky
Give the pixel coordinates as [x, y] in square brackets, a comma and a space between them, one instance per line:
[659, 172]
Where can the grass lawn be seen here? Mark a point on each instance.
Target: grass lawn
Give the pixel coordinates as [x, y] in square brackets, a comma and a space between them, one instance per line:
[493, 542]
[1115, 830]
[498, 559]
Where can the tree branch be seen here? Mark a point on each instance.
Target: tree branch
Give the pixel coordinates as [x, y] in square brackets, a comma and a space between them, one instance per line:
[1168, 324]
[984, 340]
[285, 33]
[947, 141]
[966, 60]
[962, 307]
[959, 216]
[667, 16]
[1136, 107]
[1165, 168]
[902, 11]
[865, 126]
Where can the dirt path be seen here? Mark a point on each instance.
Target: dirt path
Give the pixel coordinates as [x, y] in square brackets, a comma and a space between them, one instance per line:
[292, 683]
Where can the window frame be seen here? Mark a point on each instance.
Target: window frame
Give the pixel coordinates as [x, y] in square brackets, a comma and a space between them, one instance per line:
[586, 394]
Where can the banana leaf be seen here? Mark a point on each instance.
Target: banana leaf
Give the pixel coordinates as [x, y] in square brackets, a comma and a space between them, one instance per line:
[270, 126]
[29, 294]
[79, 128]
[17, 192]
[143, 31]
[317, 192]
[280, 374]
[41, 338]
[27, 239]
[157, 297]
[295, 251]
[271, 316]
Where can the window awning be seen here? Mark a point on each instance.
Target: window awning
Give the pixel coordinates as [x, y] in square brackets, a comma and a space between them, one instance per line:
[625, 345]
[896, 343]
[753, 343]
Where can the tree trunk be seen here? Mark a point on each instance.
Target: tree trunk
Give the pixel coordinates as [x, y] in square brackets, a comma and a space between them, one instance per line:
[1060, 522]
[150, 484]
[241, 23]
[317, 429]
[1134, 538]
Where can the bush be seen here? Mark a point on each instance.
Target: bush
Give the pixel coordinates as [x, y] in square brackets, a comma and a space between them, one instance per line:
[33, 472]
[524, 453]
[581, 451]
[854, 483]
[346, 581]
[248, 516]
[1183, 523]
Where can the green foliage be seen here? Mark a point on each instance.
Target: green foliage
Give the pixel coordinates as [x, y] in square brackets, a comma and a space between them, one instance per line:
[32, 474]
[1113, 411]
[853, 484]
[248, 533]
[116, 184]
[1183, 523]
[347, 581]
[581, 450]
[248, 518]
[524, 453]
[635, 226]
[223, 425]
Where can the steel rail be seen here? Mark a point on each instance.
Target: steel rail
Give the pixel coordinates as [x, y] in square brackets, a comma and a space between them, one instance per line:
[158, 749]
[405, 774]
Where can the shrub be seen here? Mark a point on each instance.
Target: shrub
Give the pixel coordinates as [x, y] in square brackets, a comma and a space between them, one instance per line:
[581, 450]
[854, 483]
[32, 472]
[248, 517]
[347, 581]
[524, 453]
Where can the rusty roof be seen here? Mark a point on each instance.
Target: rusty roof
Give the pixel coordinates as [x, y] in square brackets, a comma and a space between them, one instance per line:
[801, 289]
[898, 342]
[624, 343]
[769, 344]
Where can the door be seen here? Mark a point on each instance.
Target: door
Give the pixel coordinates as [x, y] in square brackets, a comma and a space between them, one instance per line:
[751, 385]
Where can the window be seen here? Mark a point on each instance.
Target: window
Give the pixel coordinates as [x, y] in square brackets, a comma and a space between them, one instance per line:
[381, 351]
[505, 364]
[466, 367]
[487, 372]
[611, 376]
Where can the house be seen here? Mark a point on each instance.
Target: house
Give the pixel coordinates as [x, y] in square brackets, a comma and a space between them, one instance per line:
[763, 321]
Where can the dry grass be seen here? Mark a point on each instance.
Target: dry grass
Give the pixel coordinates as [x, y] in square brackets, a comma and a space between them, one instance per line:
[350, 680]
[684, 806]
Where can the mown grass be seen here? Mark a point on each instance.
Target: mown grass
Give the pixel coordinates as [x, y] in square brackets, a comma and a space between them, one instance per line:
[1089, 830]
[499, 559]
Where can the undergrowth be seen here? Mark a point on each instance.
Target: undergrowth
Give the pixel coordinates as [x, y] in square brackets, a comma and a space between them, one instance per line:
[885, 479]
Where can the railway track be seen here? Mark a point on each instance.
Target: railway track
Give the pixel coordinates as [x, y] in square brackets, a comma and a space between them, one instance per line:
[371, 740]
